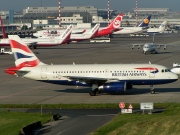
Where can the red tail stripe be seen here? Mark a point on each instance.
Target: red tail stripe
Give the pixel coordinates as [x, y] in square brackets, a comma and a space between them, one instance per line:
[17, 45]
[147, 68]
[29, 63]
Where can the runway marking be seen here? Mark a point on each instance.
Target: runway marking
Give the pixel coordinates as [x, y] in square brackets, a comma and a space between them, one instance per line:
[18, 93]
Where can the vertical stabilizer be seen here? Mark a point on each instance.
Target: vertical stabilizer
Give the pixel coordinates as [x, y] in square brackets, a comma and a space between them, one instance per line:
[145, 22]
[24, 57]
[66, 35]
[162, 26]
[116, 23]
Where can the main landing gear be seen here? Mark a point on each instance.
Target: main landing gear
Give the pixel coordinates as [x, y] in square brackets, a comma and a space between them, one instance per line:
[152, 89]
[95, 90]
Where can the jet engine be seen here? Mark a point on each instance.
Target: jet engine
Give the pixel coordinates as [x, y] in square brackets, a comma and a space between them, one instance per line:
[113, 87]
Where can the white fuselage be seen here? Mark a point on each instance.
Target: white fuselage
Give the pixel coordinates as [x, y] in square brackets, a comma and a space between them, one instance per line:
[129, 30]
[39, 42]
[150, 48]
[54, 33]
[136, 74]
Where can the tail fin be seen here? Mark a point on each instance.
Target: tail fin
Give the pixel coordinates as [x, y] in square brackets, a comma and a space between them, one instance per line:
[145, 22]
[66, 35]
[116, 23]
[163, 26]
[24, 57]
[94, 30]
[2, 27]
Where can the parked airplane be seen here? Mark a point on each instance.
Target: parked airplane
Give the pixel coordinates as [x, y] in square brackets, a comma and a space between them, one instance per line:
[34, 42]
[150, 47]
[135, 30]
[158, 30]
[107, 77]
[112, 27]
[176, 68]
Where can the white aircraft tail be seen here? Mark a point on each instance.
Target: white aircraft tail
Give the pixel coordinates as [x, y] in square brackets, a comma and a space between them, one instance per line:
[163, 26]
[65, 36]
[24, 57]
[94, 31]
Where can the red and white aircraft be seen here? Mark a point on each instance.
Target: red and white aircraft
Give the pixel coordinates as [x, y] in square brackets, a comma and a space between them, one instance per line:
[107, 77]
[34, 42]
[112, 27]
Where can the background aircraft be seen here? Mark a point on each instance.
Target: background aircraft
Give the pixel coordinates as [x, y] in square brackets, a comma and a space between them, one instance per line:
[135, 30]
[112, 27]
[150, 47]
[176, 68]
[34, 42]
[158, 30]
[106, 77]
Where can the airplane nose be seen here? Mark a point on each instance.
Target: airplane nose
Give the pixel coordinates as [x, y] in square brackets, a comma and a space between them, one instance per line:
[175, 76]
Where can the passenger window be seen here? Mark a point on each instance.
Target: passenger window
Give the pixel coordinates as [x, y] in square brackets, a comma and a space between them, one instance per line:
[163, 70]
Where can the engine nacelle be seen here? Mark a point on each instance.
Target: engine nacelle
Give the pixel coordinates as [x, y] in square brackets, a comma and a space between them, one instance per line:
[113, 87]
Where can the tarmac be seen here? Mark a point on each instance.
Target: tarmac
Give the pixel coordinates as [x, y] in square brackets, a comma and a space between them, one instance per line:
[17, 90]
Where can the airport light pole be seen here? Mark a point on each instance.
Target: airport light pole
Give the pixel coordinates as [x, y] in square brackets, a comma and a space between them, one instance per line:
[136, 12]
[108, 5]
[59, 2]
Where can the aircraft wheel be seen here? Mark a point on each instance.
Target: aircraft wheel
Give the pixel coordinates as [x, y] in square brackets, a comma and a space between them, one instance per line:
[92, 93]
[152, 92]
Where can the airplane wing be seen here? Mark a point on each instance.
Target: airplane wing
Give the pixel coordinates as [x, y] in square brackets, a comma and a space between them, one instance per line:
[159, 46]
[90, 80]
[137, 45]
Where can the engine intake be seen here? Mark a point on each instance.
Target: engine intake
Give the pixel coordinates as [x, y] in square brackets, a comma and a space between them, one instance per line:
[113, 87]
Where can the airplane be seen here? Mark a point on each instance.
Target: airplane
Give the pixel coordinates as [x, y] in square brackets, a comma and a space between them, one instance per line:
[135, 30]
[149, 48]
[176, 68]
[112, 27]
[34, 42]
[100, 77]
[157, 30]
[55, 33]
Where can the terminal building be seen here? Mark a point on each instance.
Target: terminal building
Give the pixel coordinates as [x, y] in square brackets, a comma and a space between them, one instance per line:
[49, 16]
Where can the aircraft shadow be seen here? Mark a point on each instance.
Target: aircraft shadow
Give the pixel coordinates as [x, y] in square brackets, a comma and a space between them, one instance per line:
[134, 91]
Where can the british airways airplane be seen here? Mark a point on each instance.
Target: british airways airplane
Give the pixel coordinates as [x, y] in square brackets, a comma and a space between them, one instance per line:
[106, 77]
